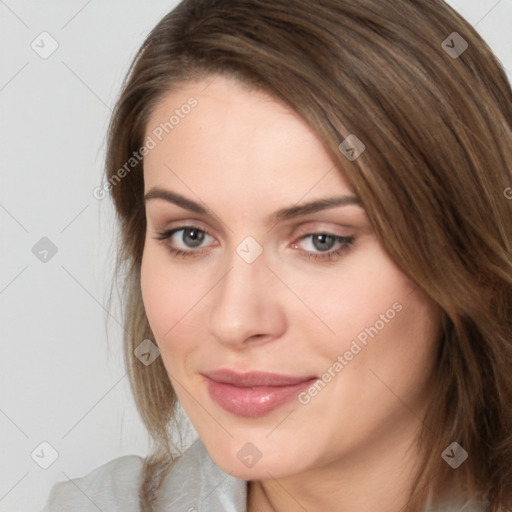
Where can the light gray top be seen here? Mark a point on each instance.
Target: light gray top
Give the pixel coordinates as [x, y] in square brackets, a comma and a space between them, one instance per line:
[194, 484]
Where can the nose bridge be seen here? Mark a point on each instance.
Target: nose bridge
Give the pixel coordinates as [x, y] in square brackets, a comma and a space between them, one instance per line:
[244, 304]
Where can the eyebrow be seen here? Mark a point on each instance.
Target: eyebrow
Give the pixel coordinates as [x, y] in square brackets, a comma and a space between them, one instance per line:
[280, 215]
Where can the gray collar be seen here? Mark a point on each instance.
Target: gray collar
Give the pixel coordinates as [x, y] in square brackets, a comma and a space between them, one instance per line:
[195, 483]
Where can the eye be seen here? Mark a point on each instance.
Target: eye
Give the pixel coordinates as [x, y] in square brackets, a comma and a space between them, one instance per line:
[321, 245]
[187, 241]
[191, 237]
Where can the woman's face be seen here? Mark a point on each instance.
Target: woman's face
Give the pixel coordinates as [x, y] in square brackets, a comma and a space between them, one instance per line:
[263, 283]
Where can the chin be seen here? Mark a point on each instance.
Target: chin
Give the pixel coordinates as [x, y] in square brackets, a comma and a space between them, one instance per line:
[246, 461]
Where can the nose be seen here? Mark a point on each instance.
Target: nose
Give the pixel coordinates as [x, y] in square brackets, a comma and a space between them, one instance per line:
[246, 306]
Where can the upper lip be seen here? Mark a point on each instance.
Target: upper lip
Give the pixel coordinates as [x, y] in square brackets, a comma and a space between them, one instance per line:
[254, 378]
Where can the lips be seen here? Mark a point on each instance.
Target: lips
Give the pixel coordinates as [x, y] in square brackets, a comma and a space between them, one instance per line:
[252, 379]
[253, 394]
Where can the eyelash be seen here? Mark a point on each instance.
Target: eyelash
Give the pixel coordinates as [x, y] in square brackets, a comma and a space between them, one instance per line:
[345, 241]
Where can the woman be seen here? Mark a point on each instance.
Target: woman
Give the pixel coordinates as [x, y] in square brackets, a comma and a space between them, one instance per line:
[317, 237]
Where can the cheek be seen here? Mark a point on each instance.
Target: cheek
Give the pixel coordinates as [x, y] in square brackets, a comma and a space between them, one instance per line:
[167, 295]
[366, 292]
[168, 298]
[380, 318]
[389, 345]
[405, 354]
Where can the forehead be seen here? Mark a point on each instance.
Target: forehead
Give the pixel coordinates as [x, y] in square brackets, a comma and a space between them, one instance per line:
[218, 132]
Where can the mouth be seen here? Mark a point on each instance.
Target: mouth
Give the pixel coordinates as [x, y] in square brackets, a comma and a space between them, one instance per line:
[253, 394]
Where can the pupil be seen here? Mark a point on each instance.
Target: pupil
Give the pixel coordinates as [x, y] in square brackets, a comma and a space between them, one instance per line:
[193, 237]
[324, 242]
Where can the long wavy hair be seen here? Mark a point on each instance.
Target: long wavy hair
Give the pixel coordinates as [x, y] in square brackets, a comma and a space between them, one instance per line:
[436, 119]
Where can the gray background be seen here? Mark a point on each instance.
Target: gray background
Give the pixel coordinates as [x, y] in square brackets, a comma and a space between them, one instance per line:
[62, 382]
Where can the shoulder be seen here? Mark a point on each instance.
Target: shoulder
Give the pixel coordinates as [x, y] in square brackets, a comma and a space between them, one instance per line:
[194, 482]
[113, 486]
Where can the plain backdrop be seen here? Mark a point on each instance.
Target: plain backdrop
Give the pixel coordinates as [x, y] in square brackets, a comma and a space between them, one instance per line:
[62, 383]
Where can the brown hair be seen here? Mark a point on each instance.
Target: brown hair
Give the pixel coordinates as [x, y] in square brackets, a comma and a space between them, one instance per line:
[438, 134]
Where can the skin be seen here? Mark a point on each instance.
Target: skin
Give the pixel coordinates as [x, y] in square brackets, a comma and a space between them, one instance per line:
[245, 155]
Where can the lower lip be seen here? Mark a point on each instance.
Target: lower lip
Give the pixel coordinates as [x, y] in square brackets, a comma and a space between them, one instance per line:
[251, 402]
